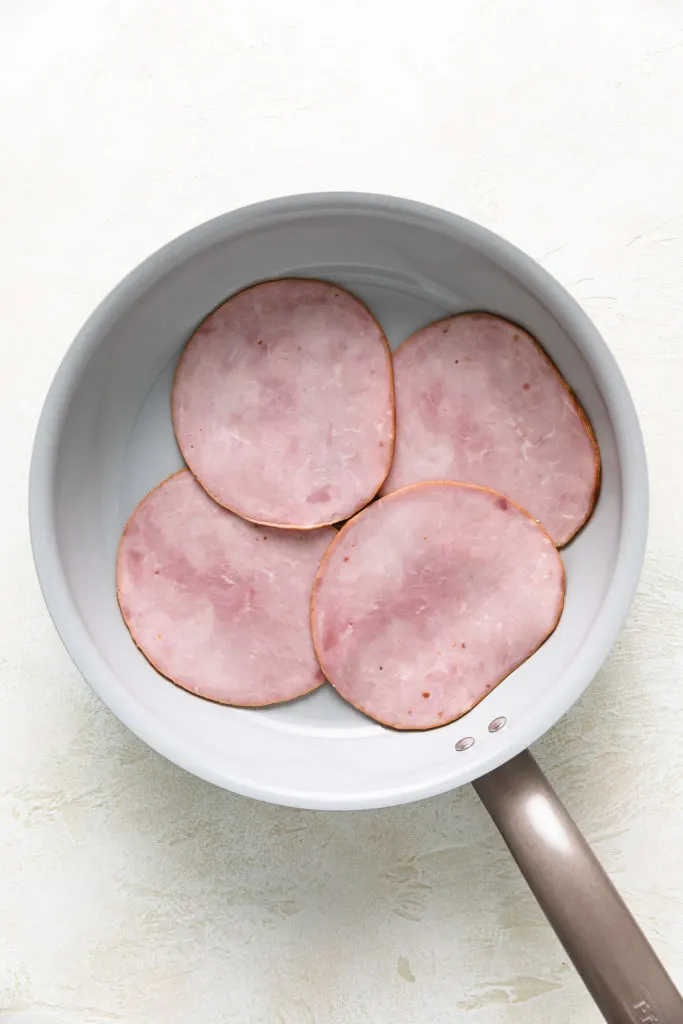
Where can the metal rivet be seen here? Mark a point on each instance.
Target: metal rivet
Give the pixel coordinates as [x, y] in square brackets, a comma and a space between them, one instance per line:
[497, 724]
[465, 743]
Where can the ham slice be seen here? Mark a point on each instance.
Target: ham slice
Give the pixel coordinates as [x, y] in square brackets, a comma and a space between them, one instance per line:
[218, 605]
[283, 404]
[478, 400]
[429, 598]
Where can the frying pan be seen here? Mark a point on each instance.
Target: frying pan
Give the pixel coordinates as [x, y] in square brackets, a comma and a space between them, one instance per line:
[105, 439]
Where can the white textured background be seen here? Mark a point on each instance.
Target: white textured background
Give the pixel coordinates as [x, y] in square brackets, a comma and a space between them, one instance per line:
[130, 891]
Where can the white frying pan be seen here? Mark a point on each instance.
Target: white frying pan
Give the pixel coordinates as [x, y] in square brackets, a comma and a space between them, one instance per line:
[105, 439]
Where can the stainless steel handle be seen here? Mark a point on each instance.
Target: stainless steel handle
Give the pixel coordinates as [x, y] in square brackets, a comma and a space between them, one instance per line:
[621, 970]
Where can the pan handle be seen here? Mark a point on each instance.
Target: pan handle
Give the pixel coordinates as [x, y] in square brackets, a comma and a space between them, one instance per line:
[608, 949]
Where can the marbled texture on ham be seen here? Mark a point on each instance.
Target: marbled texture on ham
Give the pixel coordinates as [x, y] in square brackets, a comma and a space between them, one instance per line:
[429, 598]
[477, 400]
[283, 404]
[219, 605]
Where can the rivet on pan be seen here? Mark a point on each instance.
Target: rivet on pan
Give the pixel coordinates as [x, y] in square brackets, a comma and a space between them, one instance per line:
[497, 724]
[465, 743]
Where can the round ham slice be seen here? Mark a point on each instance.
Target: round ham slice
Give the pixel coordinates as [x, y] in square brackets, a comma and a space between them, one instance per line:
[218, 605]
[431, 597]
[283, 404]
[478, 400]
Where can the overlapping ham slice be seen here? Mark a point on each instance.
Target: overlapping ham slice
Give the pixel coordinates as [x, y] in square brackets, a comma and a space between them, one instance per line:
[283, 404]
[218, 605]
[478, 400]
[429, 598]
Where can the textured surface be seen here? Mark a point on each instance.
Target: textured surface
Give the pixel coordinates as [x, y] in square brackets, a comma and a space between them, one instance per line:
[131, 892]
[283, 404]
[431, 597]
[218, 605]
[478, 401]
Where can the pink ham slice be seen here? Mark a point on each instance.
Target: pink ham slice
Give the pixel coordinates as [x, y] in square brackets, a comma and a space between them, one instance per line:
[283, 404]
[218, 605]
[429, 598]
[477, 400]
